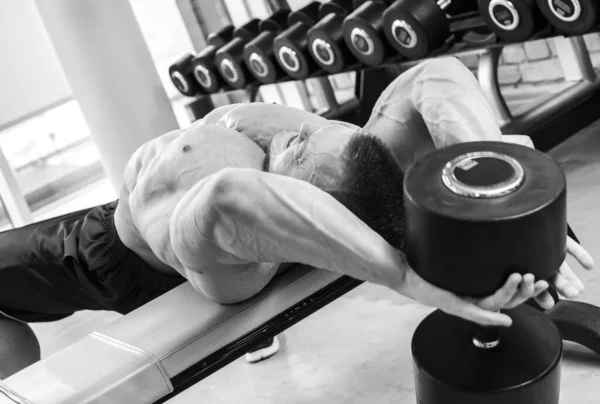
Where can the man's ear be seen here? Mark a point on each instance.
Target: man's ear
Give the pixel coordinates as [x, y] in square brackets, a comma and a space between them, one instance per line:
[307, 129]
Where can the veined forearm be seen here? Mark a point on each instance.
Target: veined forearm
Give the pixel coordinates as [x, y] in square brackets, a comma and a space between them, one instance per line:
[437, 101]
[260, 122]
[272, 218]
[453, 105]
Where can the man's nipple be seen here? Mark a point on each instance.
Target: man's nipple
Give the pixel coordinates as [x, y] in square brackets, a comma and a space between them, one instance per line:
[186, 148]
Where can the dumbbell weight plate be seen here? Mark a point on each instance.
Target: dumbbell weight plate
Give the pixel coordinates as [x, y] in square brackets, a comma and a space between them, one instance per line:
[523, 368]
[291, 46]
[326, 44]
[261, 63]
[258, 53]
[323, 52]
[230, 57]
[232, 72]
[291, 52]
[477, 212]
[181, 83]
[363, 33]
[293, 61]
[415, 28]
[511, 20]
[181, 76]
[572, 17]
[365, 44]
[204, 71]
[204, 76]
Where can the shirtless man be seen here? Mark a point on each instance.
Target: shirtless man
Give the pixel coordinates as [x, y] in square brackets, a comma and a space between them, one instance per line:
[226, 201]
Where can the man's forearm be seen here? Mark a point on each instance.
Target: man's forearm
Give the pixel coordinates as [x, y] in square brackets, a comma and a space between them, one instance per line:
[435, 104]
[270, 218]
[260, 121]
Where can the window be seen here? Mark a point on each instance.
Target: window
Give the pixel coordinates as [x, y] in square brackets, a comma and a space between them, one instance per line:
[52, 156]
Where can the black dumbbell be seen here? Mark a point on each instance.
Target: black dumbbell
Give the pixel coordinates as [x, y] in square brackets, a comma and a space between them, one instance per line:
[415, 28]
[326, 39]
[512, 20]
[363, 33]
[258, 53]
[203, 65]
[509, 192]
[182, 77]
[230, 57]
[571, 17]
[290, 46]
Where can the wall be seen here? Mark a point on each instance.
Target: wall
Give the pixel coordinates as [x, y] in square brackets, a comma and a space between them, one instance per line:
[165, 33]
[31, 78]
[534, 63]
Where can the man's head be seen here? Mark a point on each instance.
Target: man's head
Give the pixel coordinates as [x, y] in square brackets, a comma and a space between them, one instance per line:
[357, 169]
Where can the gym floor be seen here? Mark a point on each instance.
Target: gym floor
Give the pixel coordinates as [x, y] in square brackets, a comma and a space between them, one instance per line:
[357, 349]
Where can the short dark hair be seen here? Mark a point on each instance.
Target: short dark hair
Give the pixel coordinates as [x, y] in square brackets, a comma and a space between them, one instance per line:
[373, 187]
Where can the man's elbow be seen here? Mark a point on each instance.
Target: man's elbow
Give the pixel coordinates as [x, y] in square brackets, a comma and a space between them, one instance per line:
[231, 188]
[446, 68]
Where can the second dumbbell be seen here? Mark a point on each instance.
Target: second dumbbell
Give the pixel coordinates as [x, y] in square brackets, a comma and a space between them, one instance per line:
[203, 65]
[363, 33]
[230, 57]
[291, 46]
[572, 17]
[512, 20]
[326, 38]
[258, 53]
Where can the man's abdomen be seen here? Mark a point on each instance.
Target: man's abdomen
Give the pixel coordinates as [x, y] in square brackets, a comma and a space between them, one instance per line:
[133, 240]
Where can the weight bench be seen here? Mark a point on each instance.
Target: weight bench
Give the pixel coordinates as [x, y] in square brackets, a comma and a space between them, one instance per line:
[171, 343]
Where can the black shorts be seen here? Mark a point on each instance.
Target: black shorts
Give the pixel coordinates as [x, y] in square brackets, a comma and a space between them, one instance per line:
[51, 269]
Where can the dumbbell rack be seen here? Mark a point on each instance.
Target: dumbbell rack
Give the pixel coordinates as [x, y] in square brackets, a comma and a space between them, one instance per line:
[548, 124]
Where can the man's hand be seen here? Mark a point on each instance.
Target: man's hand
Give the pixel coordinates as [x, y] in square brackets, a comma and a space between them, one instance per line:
[565, 281]
[517, 289]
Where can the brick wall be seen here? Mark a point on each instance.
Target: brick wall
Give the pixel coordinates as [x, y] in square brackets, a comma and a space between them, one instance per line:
[534, 62]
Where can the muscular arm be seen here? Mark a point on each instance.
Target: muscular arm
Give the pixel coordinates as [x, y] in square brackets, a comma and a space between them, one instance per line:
[260, 121]
[432, 105]
[240, 216]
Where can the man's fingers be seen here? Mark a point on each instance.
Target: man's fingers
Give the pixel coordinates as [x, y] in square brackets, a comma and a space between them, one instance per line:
[564, 286]
[526, 286]
[503, 295]
[524, 292]
[566, 271]
[473, 312]
[545, 300]
[428, 294]
[579, 253]
[540, 287]
[530, 290]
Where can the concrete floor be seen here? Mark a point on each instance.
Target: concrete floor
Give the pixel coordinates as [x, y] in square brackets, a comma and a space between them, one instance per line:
[357, 349]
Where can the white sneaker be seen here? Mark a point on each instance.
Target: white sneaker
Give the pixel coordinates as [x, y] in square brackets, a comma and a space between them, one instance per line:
[263, 351]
